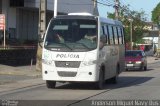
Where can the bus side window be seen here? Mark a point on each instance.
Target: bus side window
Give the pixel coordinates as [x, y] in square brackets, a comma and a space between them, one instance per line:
[115, 35]
[120, 36]
[102, 31]
[108, 37]
[122, 33]
[110, 34]
[106, 34]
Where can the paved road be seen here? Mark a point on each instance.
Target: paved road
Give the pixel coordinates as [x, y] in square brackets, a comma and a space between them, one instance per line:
[133, 85]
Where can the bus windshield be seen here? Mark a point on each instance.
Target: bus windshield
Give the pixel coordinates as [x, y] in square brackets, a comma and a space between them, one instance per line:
[71, 35]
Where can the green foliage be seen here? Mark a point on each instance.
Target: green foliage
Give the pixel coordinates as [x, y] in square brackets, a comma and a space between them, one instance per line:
[111, 15]
[137, 25]
[127, 34]
[138, 35]
[156, 14]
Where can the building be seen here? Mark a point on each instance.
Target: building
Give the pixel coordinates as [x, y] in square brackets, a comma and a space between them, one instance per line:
[22, 15]
[151, 38]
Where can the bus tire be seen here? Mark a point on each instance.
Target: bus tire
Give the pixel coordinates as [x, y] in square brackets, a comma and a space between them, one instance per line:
[51, 84]
[145, 68]
[114, 79]
[142, 68]
[101, 82]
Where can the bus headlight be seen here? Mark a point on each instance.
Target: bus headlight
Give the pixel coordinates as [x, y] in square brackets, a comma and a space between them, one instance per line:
[47, 62]
[88, 63]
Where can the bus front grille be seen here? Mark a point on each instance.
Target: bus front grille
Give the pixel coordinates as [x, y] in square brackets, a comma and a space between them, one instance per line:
[68, 64]
[67, 74]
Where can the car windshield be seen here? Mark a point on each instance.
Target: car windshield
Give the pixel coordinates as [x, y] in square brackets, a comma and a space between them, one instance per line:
[72, 35]
[133, 53]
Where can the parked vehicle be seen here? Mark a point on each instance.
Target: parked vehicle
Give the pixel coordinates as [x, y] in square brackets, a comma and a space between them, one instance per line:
[135, 59]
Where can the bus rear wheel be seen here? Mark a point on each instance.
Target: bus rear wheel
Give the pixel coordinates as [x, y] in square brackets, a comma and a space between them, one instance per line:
[145, 68]
[51, 84]
[114, 79]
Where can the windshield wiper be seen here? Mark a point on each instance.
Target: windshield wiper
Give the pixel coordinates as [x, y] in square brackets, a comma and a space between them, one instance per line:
[65, 45]
[83, 45]
[49, 46]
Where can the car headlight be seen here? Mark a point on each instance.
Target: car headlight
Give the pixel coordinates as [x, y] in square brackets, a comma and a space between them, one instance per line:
[47, 62]
[88, 63]
[138, 62]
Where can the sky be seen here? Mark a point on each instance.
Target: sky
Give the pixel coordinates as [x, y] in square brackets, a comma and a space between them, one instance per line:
[137, 5]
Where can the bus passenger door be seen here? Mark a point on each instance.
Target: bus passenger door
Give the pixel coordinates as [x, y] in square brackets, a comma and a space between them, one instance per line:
[104, 55]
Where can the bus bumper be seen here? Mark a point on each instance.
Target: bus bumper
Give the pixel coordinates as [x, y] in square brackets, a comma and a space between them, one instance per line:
[82, 74]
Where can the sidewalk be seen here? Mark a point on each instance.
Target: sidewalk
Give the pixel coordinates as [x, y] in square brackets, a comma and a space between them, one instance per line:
[152, 59]
[19, 70]
[12, 77]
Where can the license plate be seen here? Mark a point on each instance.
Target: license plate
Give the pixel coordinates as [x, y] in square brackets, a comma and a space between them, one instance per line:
[129, 65]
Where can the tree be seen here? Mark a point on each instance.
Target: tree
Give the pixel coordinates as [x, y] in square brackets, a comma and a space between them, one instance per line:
[138, 23]
[156, 14]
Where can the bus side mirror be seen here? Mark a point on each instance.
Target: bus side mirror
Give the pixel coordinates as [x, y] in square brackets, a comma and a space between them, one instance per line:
[102, 41]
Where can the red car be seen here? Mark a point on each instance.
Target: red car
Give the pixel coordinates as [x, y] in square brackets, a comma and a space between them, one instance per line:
[135, 59]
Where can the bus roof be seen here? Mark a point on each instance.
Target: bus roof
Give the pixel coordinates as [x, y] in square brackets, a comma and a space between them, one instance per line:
[73, 16]
[89, 16]
[81, 14]
[110, 21]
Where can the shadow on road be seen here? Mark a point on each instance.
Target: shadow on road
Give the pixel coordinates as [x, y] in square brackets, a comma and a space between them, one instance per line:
[135, 70]
[124, 81]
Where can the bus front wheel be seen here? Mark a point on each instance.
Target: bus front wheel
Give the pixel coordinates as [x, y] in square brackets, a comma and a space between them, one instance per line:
[100, 83]
[51, 84]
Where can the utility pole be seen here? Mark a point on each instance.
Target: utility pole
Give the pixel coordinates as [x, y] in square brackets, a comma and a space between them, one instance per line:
[41, 31]
[117, 9]
[131, 44]
[95, 11]
[42, 17]
[158, 50]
